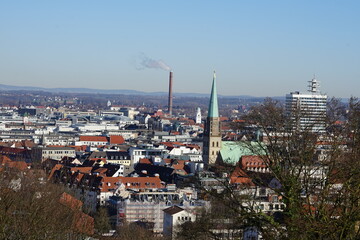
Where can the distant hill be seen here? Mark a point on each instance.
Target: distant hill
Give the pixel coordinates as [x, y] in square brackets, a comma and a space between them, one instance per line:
[4, 87]
[70, 90]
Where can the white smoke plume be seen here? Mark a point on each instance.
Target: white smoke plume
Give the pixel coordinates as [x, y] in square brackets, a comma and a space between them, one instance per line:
[146, 62]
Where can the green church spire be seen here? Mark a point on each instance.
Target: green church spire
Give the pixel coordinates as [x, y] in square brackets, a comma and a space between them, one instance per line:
[213, 105]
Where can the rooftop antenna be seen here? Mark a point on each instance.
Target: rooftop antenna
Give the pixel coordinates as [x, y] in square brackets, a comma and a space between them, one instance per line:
[313, 85]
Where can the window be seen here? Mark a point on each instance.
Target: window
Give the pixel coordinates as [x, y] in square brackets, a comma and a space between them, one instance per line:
[262, 191]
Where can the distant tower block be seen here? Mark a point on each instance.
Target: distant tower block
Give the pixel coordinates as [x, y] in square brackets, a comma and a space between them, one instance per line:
[108, 103]
[198, 116]
[307, 111]
[212, 131]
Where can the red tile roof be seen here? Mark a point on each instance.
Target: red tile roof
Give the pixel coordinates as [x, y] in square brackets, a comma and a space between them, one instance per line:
[20, 165]
[225, 128]
[83, 223]
[116, 139]
[252, 161]
[17, 144]
[168, 160]
[6, 150]
[93, 138]
[179, 164]
[70, 201]
[81, 148]
[193, 146]
[54, 169]
[97, 159]
[100, 170]
[109, 183]
[238, 176]
[145, 161]
[239, 121]
[172, 144]
[79, 177]
[81, 169]
[4, 159]
[7, 162]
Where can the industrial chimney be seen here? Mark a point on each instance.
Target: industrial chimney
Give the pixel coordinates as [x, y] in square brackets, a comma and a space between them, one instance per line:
[170, 93]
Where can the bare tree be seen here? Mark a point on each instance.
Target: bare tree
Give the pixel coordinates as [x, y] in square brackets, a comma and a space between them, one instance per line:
[30, 208]
[318, 177]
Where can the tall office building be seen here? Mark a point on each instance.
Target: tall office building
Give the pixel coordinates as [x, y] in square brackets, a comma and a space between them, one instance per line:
[198, 116]
[212, 131]
[307, 111]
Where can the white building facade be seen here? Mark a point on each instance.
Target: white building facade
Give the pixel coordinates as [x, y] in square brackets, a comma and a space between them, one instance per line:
[307, 111]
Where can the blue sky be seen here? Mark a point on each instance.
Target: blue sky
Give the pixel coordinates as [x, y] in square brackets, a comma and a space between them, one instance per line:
[259, 48]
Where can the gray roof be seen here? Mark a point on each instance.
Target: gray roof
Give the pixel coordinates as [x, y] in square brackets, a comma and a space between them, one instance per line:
[58, 148]
[173, 210]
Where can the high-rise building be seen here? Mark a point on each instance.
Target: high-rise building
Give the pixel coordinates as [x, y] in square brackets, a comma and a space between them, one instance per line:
[212, 131]
[198, 116]
[307, 111]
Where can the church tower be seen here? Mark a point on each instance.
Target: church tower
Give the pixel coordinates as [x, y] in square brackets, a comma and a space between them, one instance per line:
[212, 132]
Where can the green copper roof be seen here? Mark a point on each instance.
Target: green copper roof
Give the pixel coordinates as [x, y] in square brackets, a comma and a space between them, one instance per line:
[231, 152]
[213, 105]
